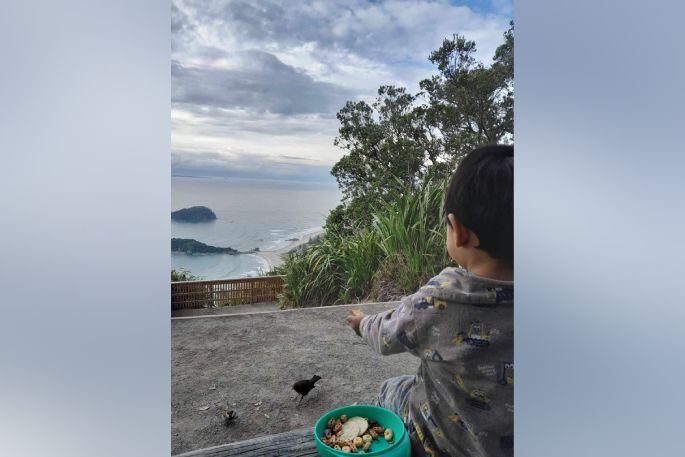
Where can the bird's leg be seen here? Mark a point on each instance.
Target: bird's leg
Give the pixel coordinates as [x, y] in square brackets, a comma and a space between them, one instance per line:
[301, 398]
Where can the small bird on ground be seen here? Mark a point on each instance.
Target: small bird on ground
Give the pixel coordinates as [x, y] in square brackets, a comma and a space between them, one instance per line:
[303, 386]
[229, 416]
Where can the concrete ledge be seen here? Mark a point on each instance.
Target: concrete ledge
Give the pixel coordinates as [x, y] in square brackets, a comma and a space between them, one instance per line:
[248, 363]
[261, 308]
[224, 310]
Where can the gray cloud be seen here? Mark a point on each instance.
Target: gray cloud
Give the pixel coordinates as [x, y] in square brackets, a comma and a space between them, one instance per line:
[212, 120]
[261, 83]
[391, 30]
[212, 164]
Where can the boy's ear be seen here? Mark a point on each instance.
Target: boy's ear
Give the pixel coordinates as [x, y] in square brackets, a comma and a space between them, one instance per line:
[461, 233]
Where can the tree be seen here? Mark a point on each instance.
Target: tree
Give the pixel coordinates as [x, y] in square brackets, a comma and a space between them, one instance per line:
[469, 103]
[399, 139]
[386, 152]
[504, 65]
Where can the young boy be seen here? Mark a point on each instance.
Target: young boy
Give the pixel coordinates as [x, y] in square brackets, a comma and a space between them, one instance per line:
[460, 324]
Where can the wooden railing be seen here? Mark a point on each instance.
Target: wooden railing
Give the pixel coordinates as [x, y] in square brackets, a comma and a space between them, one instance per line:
[225, 292]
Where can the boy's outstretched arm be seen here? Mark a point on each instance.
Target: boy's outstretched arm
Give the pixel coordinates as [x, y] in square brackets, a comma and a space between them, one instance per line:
[388, 332]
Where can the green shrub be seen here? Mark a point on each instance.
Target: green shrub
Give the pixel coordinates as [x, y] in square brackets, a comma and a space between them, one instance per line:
[311, 278]
[401, 249]
[411, 234]
[183, 275]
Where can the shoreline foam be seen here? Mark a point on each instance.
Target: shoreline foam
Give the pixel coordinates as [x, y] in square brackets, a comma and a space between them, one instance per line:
[274, 257]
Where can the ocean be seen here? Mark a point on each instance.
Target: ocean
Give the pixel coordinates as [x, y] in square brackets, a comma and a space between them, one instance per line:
[250, 214]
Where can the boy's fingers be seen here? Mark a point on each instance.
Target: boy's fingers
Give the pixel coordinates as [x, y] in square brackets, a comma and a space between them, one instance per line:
[352, 316]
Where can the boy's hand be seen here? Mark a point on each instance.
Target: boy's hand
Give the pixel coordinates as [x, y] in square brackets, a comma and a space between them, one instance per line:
[354, 318]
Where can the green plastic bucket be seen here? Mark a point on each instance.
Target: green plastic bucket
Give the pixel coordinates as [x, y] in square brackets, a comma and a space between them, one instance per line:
[400, 447]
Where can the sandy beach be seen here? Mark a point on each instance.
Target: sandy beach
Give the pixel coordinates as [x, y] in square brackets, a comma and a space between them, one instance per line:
[274, 258]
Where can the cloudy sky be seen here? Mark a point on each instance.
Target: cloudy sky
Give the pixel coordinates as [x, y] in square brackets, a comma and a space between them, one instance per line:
[256, 84]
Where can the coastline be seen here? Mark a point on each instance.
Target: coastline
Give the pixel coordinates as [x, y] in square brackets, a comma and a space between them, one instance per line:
[274, 258]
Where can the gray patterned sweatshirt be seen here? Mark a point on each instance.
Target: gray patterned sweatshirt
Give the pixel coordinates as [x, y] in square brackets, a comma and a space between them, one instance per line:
[462, 327]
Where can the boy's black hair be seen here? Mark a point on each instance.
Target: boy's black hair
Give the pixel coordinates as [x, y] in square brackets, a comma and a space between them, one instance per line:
[481, 197]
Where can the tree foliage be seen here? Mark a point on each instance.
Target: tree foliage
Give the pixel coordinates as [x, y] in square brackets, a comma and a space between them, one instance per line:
[385, 149]
[399, 139]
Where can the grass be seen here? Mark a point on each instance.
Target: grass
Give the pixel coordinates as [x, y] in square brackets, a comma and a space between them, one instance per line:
[394, 256]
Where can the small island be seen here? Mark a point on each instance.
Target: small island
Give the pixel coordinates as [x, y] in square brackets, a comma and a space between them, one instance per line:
[193, 214]
[190, 246]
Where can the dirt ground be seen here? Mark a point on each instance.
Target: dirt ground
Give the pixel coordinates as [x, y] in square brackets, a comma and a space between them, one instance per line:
[248, 363]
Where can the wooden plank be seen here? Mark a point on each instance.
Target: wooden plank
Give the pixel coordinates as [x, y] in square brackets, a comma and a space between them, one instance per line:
[295, 443]
[213, 293]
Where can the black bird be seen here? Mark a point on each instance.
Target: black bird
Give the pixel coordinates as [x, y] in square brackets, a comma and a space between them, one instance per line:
[304, 386]
[228, 415]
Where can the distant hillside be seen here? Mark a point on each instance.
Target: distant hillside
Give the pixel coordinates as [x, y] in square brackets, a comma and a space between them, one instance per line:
[190, 246]
[194, 214]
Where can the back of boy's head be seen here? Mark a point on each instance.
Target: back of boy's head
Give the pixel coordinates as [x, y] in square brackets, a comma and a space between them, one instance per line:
[481, 197]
